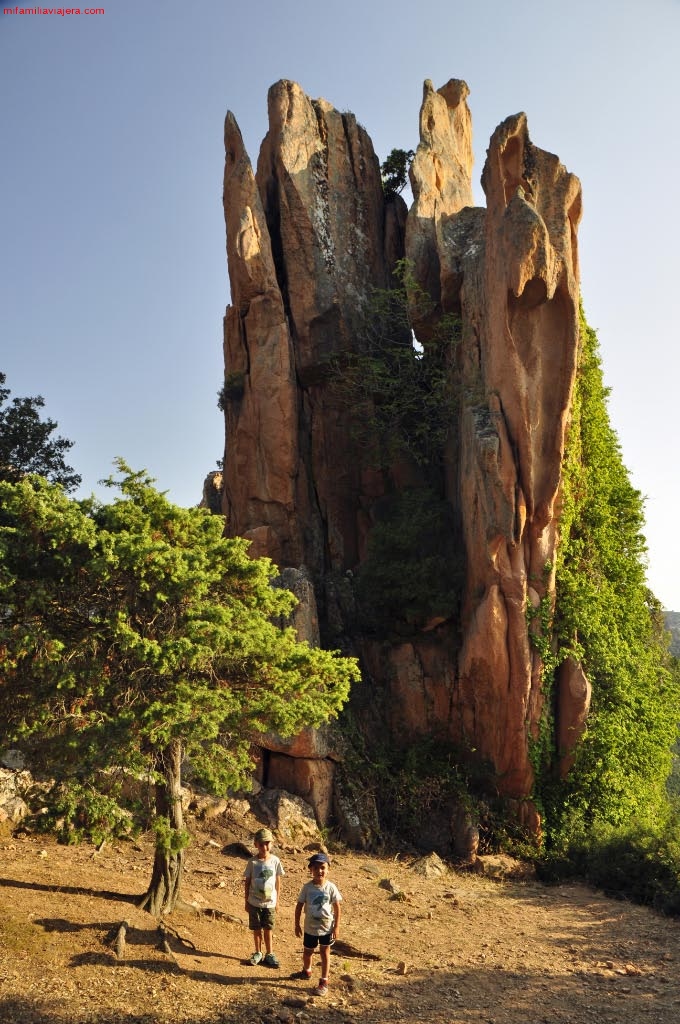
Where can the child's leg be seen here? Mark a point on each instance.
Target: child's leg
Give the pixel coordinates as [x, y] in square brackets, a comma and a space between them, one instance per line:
[307, 959]
[257, 937]
[267, 932]
[325, 961]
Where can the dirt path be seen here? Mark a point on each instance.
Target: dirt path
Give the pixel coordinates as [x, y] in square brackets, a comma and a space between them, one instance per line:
[453, 950]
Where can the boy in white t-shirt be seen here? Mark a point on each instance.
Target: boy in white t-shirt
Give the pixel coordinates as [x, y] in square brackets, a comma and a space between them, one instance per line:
[320, 899]
[262, 878]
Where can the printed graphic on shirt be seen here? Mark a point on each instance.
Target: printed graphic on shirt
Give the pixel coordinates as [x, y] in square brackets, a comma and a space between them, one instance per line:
[263, 875]
[264, 883]
[318, 901]
[320, 907]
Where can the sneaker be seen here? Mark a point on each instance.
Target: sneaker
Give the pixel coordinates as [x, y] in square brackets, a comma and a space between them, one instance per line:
[321, 989]
[302, 975]
[270, 961]
[255, 958]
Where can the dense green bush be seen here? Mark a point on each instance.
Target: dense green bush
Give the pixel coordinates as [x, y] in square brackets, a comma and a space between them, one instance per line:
[635, 862]
[78, 810]
[419, 783]
[607, 619]
[422, 787]
[414, 568]
[404, 401]
[403, 395]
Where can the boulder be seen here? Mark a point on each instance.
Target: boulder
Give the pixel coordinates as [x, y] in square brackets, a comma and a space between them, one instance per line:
[310, 778]
[13, 759]
[13, 784]
[573, 704]
[208, 807]
[356, 814]
[431, 866]
[212, 493]
[465, 837]
[500, 866]
[305, 616]
[288, 815]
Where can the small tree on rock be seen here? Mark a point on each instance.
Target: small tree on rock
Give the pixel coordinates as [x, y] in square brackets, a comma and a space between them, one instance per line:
[135, 633]
[394, 171]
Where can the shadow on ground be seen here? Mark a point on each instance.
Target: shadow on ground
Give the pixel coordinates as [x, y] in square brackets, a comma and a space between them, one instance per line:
[72, 890]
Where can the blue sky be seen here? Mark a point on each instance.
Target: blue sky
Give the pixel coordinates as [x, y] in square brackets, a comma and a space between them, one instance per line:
[114, 282]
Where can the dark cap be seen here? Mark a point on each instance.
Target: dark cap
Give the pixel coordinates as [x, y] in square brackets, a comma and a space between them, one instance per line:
[318, 858]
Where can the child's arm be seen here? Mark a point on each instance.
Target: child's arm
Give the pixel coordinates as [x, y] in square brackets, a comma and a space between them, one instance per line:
[247, 888]
[337, 914]
[298, 914]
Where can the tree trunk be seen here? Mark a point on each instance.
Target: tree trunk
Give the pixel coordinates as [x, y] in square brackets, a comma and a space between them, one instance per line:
[168, 866]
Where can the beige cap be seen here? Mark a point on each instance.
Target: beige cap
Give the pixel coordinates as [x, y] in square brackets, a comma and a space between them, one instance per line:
[263, 835]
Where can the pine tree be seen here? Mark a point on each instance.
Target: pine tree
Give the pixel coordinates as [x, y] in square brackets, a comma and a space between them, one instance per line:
[27, 444]
[135, 633]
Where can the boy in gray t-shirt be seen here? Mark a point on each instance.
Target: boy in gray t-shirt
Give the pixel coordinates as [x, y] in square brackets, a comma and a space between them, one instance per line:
[320, 899]
[262, 878]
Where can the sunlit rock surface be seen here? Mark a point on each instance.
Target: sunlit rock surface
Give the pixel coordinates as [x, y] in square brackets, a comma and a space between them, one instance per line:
[308, 238]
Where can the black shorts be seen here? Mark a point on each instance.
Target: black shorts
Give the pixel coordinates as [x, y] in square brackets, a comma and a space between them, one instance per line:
[259, 918]
[312, 941]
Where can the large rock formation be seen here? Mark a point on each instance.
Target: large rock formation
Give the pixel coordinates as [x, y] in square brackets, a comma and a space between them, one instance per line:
[308, 238]
[512, 275]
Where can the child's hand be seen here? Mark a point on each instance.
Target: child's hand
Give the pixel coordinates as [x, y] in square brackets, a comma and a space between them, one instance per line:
[298, 931]
[247, 906]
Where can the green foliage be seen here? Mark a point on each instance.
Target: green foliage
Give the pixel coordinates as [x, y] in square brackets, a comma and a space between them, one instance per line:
[169, 840]
[634, 862]
[403, 396]
[405, 404]
[672, 624]
[136, 625]
[77, 811]
[413, 570]
[394, 171]
[607, 619]
[540, 626]
[413, 786]
[422, 789]
[673, 783]
[27, 444]
[233, 387]
[419, 783]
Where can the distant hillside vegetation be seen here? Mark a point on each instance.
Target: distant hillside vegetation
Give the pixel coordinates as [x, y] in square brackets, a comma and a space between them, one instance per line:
[672, 621]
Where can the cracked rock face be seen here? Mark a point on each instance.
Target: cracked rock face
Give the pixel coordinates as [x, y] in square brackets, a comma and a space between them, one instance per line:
[308, 238]
[512, 277]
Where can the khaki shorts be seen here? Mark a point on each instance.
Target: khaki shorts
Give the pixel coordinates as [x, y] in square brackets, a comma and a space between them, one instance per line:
[259, 918]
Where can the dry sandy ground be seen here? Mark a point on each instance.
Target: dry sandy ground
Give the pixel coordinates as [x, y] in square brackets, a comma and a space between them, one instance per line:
[454, 950]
